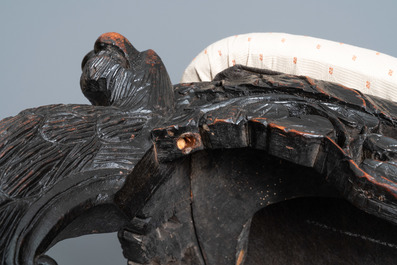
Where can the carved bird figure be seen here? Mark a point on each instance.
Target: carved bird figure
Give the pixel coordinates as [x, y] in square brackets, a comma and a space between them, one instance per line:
[51, 154]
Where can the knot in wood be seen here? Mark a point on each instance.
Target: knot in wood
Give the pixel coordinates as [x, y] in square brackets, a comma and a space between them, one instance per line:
[186, 143]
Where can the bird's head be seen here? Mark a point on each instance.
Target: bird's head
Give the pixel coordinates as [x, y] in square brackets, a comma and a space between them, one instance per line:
[115, 73]
[112, 54]
[116, 43]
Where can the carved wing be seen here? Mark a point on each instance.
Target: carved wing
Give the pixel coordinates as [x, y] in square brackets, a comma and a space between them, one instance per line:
[53, 147]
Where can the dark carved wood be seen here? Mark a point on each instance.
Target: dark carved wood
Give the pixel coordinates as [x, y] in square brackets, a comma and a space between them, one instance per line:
[202, 173]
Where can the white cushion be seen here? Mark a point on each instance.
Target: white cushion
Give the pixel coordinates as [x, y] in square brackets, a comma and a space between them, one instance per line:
[369, 71]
